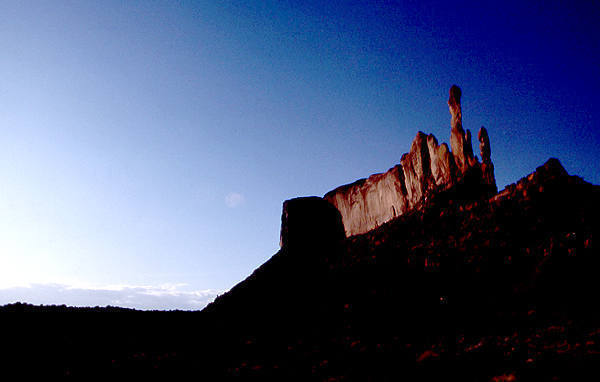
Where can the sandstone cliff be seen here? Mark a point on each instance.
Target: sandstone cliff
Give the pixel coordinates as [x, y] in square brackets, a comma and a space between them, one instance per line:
[428, 167]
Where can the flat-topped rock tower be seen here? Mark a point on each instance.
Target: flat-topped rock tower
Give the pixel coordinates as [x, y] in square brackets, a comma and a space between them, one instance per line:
[427, 168]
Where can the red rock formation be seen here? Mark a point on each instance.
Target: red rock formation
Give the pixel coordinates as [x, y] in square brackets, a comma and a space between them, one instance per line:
[487, 167]
[428, 167]
[371, 202]
[443, 169]
[460, 142]
[417, 169]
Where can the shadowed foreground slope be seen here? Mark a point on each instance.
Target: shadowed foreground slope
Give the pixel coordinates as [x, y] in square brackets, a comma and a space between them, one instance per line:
[474, 289]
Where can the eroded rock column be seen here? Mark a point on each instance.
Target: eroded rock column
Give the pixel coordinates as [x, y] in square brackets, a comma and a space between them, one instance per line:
[487, 167]
[460, 142]
[442, 163]
[417, 169]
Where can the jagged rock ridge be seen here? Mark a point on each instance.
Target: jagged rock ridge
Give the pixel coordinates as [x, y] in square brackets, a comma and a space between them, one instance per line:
[426, 169]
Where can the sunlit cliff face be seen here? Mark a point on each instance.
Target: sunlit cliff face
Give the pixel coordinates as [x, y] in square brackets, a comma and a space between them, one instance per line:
[426, 169]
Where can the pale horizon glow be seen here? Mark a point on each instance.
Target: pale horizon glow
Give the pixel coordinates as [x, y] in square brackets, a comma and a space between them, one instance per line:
[141, 297]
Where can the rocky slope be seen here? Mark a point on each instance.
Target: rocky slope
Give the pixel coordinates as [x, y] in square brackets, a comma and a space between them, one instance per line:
[492, 289]
[483, 289]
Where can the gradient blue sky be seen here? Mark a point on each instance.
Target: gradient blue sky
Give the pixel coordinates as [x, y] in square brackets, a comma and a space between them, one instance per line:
[146, 147]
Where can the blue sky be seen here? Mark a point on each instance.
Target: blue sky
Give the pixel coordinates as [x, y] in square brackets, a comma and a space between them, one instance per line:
[146, 147]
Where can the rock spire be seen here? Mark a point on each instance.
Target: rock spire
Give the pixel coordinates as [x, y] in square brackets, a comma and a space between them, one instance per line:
[460, 141]
[487, 167]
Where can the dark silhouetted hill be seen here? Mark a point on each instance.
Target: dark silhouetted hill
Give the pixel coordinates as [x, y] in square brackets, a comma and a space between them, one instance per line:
[473, 288]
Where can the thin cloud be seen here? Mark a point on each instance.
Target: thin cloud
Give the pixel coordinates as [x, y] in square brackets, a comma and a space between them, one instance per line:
[161, 297]
[234, 199]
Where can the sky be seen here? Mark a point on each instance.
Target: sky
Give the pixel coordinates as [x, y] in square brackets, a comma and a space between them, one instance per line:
[146, 147]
